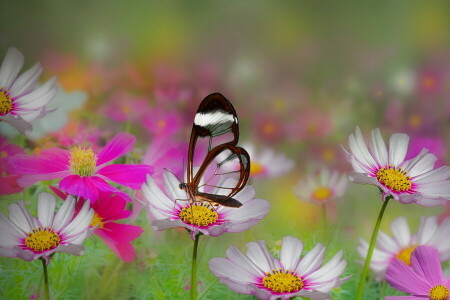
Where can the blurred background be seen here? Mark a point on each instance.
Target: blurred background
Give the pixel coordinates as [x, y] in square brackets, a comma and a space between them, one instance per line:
[302, 75]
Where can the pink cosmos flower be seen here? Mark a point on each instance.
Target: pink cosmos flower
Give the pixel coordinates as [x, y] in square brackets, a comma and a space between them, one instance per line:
[434, 144]
[161, 122]
[7, 176]
[107, 209]
[122, 107]
[402, 243]
[83, 172]
[21, 100]
[407, 181]
[423, 280]
[260, 274]
[172, 210]
[30, 238]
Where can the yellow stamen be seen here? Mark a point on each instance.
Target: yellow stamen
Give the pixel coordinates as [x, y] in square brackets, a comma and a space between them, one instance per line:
[322, 193]
[281, 281]
[199, 214]
[42, 239]
[82, 161]
[394, 178]
[256, 168]
[97, 221]
[439, 292]
[5, 102]
[405, 254]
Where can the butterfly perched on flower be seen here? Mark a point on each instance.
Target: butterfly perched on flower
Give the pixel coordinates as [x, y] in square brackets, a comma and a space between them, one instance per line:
[225, 166]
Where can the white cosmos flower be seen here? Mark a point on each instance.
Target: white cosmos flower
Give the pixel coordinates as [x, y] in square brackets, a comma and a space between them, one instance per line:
[260, 274]
[267, 163]
[30, 238]
[321, 188]
[21, 100]
[402, 243]
[411, 181]
[172, 209]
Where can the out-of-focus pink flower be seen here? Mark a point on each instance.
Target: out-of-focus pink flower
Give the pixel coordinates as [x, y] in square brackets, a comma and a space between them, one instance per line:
[83, 172]
[267, 163]
[21, 99]
[173, 210]
[434, 145]
[309, 124]
[78, 134]
[269, 128]
[162, 122]
[108, 209]
[30, 238]
[123, 107]
[8, 178]
[430, 81]
[423, 280]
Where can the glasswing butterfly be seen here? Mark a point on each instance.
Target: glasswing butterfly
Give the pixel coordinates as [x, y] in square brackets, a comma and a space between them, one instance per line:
[225, 166]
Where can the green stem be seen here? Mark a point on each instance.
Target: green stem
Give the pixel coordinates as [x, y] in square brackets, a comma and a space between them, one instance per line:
[46, 290]
[362, 281]
[194, 268]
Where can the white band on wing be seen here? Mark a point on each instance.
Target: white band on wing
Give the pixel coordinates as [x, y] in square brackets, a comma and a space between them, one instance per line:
[205, 119]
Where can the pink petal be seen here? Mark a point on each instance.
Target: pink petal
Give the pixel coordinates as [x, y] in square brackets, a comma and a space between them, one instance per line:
[80, 186]
[426, 263]
[102, 185]
[119, 145]
[118, 237]
[132, 176]
[111, 207]
[402, 277]
[9, 185]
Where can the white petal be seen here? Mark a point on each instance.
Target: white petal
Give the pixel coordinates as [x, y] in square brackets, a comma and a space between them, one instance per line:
[312, 260]
[290, 252]
[11, 65]
[46, 209]
[27, 81]
[360, 151]
[260, 255]
[398, 146]
[64, 214]
[20, 216]
[81, 222]
[38, 98]
[378, 147]
[245, 263]
[428, 226]
[440, 174]
[400, 230]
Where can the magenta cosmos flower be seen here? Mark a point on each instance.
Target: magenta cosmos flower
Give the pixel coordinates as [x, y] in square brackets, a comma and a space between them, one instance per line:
[423, 280]
[408, 181]
[30, 238]
[83, 172]
[117, 236]
[260, 274]
[7, 177]
[402, 243]
[21, 100]
[172, 209]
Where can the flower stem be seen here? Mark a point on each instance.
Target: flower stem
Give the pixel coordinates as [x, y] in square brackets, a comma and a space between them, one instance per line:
[362, 281]
[46, 290]
[194, 268]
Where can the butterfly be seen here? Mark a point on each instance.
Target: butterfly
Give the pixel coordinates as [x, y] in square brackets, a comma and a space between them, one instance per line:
[216, 123]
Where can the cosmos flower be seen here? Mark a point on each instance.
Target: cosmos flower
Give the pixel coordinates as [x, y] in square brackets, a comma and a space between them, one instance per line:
[260, 274]
[7, 176]
[122, 107]
[424, 279]
[160, 122]
[21, 100]
[108, 209]
[410, 181]
[267, 163]
[83, 172]
[171, 209]
[30, 238]
[322, 188]
[402, 243]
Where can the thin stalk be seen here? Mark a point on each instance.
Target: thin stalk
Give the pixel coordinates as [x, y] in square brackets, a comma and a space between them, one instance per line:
[46, 290]
[362, 281]
[194, 269]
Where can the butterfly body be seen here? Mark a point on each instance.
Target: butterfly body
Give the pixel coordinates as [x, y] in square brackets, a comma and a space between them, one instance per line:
[216, 120]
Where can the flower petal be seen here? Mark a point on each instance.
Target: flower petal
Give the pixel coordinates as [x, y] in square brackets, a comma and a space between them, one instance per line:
[132, 176]
[11, 65]
[119, 145]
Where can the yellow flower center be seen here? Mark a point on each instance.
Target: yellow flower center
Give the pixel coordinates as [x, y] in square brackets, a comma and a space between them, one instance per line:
[405, 254]
[82, 161]
[281, 281]
[256, 168]
[394, 178]
[439, 292]
[42, 239]
[199, 214]
[97, 221]
[5, 102]
[322, 193]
